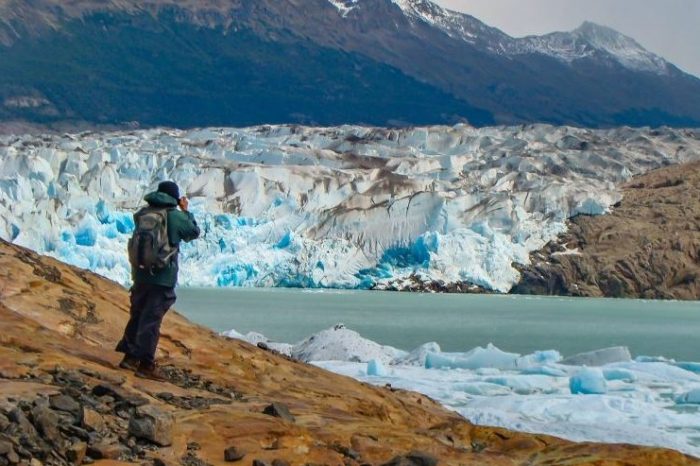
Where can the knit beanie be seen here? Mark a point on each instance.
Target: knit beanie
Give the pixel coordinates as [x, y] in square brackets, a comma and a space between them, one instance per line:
[170, 188]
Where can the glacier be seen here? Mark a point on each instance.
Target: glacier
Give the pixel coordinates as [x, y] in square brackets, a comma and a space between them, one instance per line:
[533, 393]
[339, 207]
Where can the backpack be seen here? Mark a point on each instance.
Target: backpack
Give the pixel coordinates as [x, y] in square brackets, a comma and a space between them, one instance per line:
[149, 247]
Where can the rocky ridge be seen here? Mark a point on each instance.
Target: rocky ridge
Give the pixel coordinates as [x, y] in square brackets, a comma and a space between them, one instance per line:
[647, 247]
[63, 402]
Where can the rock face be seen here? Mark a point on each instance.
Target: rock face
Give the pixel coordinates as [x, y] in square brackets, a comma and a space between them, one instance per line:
[217, 391]
[648, 247]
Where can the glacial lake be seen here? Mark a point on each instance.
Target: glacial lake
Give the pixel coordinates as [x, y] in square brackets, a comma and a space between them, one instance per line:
[457, 322]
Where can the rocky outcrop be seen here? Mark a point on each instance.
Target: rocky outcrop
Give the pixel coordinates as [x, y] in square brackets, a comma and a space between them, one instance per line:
[63, 400]
[648, 247]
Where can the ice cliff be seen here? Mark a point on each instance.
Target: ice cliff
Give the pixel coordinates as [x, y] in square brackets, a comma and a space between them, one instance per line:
[350, 207]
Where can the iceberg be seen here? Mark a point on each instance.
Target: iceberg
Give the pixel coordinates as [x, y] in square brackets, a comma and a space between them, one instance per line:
[340, 207]
[375, 368]
[588, 382]
[342, 344]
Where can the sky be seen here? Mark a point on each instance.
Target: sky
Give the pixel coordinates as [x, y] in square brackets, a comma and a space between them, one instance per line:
[670, 28]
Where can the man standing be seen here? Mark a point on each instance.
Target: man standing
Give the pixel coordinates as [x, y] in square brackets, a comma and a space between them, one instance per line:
[153, 253]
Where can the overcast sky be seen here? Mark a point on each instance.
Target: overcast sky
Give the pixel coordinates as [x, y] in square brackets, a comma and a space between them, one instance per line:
[670, 28]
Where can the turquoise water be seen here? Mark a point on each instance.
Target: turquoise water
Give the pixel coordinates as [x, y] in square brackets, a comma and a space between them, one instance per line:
[457, 322]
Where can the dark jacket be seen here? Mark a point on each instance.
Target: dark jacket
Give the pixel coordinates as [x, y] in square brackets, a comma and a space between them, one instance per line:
[181, 227]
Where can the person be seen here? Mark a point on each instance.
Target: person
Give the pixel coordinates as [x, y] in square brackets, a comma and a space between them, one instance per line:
[153, 290]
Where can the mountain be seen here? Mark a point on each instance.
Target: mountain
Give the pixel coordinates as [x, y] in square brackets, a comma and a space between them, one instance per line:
[323, 62]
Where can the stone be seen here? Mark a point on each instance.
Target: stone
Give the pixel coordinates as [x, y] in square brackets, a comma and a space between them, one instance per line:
[118, 394]
[18, 417]
[93, 421]
[65, 403]
[107, 451]
[5, 447]
[257, 462]
[152, 424]
[76, 453]
[279, 410]
[232, 454]
[414, 458]
[12, 457]
[47, 422]
[279, 462]
[4, 422]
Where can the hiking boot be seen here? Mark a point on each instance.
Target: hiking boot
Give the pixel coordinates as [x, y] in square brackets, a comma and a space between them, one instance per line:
[151, 371]
[129, 363]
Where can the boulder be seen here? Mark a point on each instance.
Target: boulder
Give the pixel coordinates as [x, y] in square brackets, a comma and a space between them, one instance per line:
[414, 458]
[233, 453]
[152, 424]
[279, 410]
[65, 403]
[47, 422]
[93, 421]
[106, 450]
[76, 453]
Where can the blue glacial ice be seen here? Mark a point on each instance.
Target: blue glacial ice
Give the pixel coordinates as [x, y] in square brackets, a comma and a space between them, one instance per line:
[347, 207]
[589, 381]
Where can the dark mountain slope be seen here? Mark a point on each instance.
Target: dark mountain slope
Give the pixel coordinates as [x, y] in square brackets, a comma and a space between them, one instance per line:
[226, 62]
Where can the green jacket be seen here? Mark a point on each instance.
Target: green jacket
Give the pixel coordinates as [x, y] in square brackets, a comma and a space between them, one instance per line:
[181, 227]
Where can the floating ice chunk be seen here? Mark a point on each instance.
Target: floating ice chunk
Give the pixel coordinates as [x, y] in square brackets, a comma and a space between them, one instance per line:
[619, 374]
[417, 356]
[600, 357]
[588, 382]
[479, 357]
[342, 344]
[375, 368]
[689, 366]
[233, 334]
[254, 338]
[537, 358]
[691, 397]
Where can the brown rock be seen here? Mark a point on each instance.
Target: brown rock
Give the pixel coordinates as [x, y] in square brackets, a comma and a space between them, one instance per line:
[279, 410]
[647, 247]
[152, 424]
[414, 458]
[106, 450]
[93, 421]
[232, 454]
[76, 453]
[46, 422]
[65, 403]
[279, 462]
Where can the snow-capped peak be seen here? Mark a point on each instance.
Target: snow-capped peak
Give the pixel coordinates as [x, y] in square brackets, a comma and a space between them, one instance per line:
[590, 40]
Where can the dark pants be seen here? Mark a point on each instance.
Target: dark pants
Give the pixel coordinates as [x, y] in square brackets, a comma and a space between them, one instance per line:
[149, 304]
